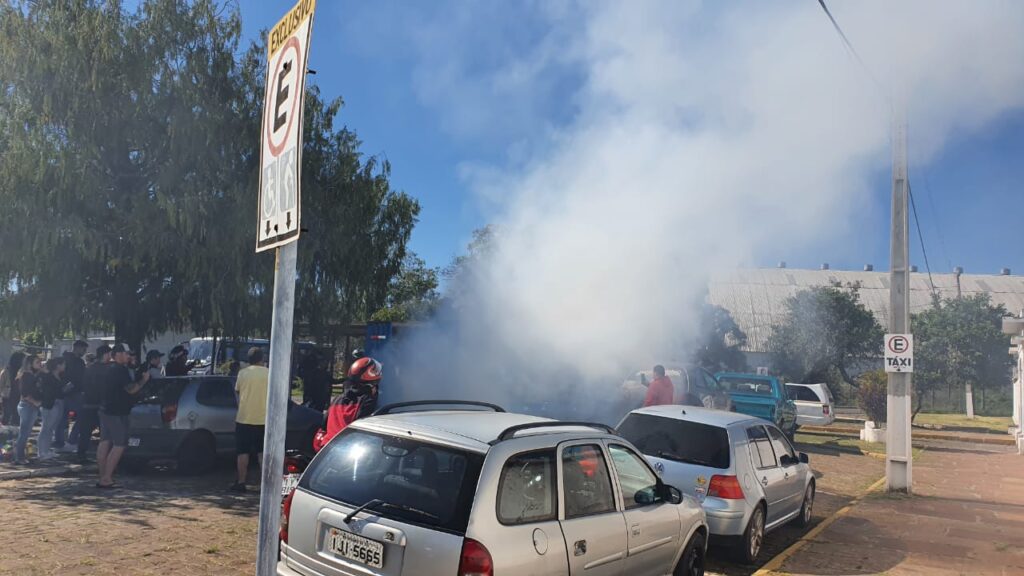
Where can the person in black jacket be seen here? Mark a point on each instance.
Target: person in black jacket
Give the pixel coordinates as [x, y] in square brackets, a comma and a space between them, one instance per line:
[51, 400]
[74, 372]
[28, 405]
[87, 418]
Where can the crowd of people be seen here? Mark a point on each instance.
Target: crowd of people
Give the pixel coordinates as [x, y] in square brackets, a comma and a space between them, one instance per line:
[99, 389]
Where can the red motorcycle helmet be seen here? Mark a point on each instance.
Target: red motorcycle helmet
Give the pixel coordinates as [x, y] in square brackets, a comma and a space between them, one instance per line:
[365, 370]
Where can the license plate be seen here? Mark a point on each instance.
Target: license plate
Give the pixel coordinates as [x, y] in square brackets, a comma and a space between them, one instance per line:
[356, 548]
[134, 442]
[289, 483]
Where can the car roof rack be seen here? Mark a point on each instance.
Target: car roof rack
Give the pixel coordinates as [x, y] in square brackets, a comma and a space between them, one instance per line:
[390, 408]
[510, 432]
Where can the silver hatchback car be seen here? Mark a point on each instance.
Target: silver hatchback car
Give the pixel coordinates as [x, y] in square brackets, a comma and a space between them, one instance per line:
[444, 488]
[743, 469]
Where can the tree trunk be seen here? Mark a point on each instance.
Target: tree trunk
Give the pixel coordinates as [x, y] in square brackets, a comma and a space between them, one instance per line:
[969, 400]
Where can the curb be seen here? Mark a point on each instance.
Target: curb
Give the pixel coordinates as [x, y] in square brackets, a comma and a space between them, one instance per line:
[996, 439]
[775, 563]
[46, 472]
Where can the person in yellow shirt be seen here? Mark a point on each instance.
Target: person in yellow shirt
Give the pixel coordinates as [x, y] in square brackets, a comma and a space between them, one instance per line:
[251, 386]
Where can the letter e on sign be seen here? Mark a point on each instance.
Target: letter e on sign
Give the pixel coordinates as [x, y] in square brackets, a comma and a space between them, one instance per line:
[899, 353]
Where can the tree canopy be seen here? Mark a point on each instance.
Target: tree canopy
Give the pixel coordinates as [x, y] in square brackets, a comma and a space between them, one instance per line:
[128, 172]
[958, 343]
[826, 331]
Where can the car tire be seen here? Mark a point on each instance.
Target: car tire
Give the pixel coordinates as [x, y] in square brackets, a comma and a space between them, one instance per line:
[807, 509]
[197, 454]
[750, 544]
[692, 561]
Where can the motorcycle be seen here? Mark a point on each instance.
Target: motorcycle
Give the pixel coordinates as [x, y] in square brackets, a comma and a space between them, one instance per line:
[295, 463]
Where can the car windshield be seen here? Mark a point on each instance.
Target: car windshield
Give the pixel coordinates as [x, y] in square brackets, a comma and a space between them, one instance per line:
[678, 440]
[201, 350]
[162, 391]
[743, 385]
[416, 482]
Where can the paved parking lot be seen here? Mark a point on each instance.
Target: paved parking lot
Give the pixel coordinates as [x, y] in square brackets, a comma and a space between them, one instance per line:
[161, 523]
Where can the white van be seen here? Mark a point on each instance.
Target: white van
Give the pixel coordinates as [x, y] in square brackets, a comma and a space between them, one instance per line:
[814, 404]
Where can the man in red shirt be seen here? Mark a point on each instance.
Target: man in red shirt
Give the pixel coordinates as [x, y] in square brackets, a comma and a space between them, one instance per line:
[660, 390]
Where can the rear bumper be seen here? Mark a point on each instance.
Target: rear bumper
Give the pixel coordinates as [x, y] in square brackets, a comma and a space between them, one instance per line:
[726, 517]
[815, 420]
[154, 443]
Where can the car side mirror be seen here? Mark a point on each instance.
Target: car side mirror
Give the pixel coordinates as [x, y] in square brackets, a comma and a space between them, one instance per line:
[669, 494]
[803, 458]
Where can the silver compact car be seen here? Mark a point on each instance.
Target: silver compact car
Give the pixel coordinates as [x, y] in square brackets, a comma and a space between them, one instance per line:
[743, 469]
[445, 488]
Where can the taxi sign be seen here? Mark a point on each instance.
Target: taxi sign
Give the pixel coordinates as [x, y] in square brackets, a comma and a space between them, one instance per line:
[899, 352]
[281, 133]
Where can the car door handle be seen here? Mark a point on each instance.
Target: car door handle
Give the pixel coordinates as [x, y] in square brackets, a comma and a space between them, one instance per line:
[787, 475]
[764, 481]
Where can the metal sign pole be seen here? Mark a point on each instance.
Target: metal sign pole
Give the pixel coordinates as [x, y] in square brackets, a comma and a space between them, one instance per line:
[277, 409]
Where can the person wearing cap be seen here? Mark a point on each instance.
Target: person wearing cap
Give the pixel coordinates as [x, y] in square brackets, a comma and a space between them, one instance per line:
[153, 359]
[87, 419]
[74, 376]
[119, 390]
[250, 422]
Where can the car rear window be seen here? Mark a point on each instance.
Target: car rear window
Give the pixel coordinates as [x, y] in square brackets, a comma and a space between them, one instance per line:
[802, 393]
[678, 440]
[162, 391]
[746, 385]
[417, 482]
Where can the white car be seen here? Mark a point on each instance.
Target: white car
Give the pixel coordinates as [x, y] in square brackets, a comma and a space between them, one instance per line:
[814, 404]
[443, 488]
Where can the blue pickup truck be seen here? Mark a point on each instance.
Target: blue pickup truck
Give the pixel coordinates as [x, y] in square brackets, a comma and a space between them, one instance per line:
[760, 396]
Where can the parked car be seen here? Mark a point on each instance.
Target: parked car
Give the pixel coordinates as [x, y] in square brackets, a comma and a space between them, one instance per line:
[814, 404]
[744, 470]
[443, 489]
[694, 386]
[760, 396]
[191, 419]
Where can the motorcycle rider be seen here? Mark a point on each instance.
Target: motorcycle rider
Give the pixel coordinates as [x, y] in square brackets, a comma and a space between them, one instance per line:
[357, 401]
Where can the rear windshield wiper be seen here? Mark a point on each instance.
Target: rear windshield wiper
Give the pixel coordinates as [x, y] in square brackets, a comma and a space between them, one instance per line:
[378, 503]
[405, 508]
[353, 513]
[684, 460]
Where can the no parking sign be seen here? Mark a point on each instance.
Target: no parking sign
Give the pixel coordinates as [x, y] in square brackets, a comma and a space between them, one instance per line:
[281, 135]
[899, 352]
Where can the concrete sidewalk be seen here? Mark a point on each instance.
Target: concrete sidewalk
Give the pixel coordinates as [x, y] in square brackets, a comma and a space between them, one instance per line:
[966, 517]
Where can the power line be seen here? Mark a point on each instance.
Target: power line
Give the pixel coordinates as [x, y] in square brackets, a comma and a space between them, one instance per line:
[852, 50]
[935, 218]
[920, 237]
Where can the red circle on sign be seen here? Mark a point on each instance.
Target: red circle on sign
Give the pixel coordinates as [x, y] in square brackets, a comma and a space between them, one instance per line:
[906, 344]
[291, 44]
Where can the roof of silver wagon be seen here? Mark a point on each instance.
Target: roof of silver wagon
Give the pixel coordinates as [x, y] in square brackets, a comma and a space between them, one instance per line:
[470, 428]
[719, 418]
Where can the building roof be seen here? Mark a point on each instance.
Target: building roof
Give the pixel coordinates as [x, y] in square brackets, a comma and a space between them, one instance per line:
[757, 298]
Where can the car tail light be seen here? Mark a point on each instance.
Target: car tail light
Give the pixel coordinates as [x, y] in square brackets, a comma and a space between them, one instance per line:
[475, 560]
[727, 487]
[824, 409]
[291, 466]
[286, 512]
[168, 412]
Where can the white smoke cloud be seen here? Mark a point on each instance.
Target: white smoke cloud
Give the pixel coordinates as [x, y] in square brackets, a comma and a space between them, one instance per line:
[701, 137]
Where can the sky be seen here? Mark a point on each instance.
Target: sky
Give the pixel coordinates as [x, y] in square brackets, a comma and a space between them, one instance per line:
[464, 97]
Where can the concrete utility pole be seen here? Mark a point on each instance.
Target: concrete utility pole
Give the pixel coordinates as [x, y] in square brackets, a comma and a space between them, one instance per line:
[898, 457]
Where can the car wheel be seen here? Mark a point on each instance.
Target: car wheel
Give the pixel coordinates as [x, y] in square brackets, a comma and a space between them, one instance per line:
[807, 510]
[197, 454]
[753, 537]
[692, 561]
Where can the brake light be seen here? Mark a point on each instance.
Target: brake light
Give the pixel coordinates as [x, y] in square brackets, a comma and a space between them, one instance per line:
[824, 409]
[168, 412]
[475, 560]
[286, 511]
[291, 466]
[727, 487]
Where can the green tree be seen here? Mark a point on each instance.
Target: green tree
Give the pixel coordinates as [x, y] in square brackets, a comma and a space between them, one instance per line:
[128, 171]
[413, 293]
[720, 341]
[826, 331]
[959, 343]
